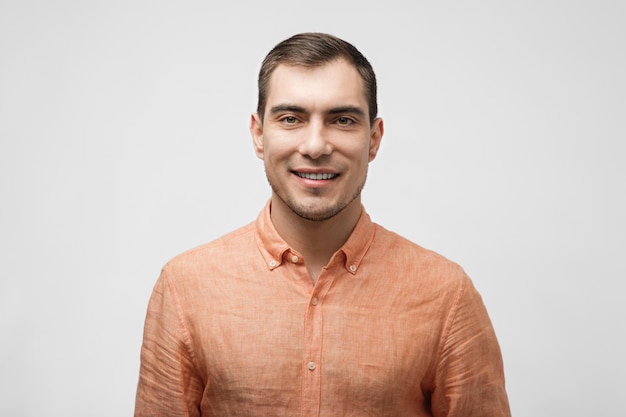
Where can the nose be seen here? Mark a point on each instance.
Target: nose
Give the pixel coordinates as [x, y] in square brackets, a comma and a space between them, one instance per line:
[315, 141]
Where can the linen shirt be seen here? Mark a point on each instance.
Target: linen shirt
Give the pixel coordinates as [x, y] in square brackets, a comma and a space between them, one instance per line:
[236, 327]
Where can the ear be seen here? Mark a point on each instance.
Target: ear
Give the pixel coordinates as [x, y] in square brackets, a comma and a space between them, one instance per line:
[376, 135]
[256, 130]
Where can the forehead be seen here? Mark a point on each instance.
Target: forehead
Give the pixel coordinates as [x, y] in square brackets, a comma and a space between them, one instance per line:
[335, 83]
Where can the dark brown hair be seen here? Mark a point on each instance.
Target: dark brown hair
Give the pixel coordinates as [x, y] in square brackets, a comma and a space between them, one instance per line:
[313, 50]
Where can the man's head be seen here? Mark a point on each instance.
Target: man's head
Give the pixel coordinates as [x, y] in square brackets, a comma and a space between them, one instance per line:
[316, 128]
[314, 50]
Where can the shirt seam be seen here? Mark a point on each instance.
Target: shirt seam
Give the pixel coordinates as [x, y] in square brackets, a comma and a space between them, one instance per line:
[185, 333]
[449, 323]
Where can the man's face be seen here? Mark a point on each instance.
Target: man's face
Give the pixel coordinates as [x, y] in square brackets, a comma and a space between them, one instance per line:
[316, 139]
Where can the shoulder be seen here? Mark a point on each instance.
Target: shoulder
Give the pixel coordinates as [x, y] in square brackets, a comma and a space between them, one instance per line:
[415, 260]
[236, 244]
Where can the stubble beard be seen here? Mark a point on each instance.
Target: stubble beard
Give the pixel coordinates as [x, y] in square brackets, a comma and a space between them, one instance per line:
[315, 214]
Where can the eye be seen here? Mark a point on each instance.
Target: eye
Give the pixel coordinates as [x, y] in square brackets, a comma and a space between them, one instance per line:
[344, 121]
[289, 120]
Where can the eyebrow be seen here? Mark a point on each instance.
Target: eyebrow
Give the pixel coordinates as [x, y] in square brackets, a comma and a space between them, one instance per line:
[347, 109]
[287, 107]
[335, 110]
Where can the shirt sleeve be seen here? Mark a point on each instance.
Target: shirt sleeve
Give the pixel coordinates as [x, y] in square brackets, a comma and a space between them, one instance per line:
[169, 384]
[469, 379]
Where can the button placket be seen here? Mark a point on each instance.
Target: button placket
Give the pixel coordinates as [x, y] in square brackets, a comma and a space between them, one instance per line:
[312, 348]
[312, 365]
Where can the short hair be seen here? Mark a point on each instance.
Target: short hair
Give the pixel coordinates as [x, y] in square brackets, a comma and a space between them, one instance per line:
[314, 50]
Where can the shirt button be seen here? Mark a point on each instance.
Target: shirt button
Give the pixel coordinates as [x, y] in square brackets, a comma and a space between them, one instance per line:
[273, 263]
[311, 365]
[352, 268]
[294, 259]
[314, 301]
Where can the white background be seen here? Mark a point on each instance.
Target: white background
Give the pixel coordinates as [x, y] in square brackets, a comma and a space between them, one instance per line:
[124, 141]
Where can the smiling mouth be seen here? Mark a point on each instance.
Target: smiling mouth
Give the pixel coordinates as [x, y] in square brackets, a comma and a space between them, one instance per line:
[316, 176]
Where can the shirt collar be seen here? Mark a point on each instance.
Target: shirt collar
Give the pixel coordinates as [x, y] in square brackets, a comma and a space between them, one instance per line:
[273, 247]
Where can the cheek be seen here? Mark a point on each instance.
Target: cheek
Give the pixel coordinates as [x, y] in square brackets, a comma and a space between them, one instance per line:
[275, 161]
[278, 147]
[360, 156]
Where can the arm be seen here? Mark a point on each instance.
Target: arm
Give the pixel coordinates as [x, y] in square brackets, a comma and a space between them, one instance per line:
[470, 375]
[169, 384]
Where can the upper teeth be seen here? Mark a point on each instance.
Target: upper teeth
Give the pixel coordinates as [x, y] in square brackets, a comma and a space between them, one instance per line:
[313, 176]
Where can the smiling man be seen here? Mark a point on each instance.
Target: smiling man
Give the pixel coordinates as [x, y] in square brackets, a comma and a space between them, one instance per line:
[316, 139]
[313, 309]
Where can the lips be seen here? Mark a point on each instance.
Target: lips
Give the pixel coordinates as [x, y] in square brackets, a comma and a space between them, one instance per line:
[316, 175]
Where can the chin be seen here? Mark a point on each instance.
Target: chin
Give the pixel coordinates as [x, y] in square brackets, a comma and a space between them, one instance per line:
[317, 213]
[316, 216]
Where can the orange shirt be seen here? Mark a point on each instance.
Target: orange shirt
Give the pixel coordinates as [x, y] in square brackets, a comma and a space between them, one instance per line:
[237, 328]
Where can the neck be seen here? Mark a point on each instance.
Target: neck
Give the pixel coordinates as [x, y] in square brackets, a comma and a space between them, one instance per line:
[317, 241]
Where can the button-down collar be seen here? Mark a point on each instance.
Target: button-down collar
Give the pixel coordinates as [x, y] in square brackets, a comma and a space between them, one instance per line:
[273, 247]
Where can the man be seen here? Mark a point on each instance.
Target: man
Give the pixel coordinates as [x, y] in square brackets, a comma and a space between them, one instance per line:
[313, 310]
